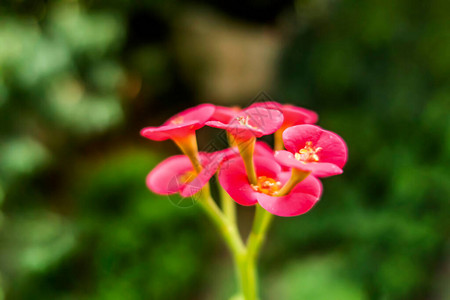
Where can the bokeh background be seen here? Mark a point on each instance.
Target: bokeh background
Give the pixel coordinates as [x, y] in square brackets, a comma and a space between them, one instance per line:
[80, 78]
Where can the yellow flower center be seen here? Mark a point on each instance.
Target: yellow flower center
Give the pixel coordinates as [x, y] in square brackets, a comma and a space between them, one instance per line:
[266, 185]
[308, 153]
[178, 120]
[244, 121]
[187, 177]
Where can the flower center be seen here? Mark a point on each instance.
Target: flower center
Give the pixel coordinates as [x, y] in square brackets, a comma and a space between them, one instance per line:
[244, 121]
[178, 120]
[308, 153]
[266, 185]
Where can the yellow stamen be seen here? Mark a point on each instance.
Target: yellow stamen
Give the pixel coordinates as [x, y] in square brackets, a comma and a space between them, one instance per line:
[244, 121]
[308, 153]
[267, 185]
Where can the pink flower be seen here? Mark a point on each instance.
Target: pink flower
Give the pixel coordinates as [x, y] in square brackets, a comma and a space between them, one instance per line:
[293, 115]
[270, 180]
[177, 175]
[251, 123]
[312, 149]
[181, 125]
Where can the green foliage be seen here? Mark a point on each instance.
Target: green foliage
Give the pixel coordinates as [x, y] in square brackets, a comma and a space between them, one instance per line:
[373, 84]
[300, 280]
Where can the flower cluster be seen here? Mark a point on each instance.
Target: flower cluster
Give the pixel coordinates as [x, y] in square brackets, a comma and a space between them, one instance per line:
[284, 182]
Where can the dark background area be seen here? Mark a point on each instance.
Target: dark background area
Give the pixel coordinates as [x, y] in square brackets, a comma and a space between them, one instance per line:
[79, 79]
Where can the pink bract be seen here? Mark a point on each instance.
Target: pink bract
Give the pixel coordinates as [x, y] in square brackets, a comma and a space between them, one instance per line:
[176, 175]
[293, 115]
[224, 114]
[287, 159]
[302, 198]
[311, 148]
[181, 125]
[251, 122]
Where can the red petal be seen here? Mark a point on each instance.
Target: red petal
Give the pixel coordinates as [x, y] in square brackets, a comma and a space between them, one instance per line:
[164, 179]
[224, 114]
[294, 115]
[267, 120]
[200, 114]
[233, 179]
[170, 131]
[210, 164]
[191, 119]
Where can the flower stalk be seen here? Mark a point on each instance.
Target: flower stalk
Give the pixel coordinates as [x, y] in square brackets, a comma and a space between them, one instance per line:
[246, 149]
[278, 139]
[228, 205]
[188, 145]
[244, 255]
[297, 176]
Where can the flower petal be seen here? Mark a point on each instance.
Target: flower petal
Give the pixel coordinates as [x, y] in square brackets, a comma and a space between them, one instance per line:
[262, 149]
[200, 114]
[238, 131]
[287, 159]
[224, 114]
[233, 178]
[166, 132]
[300, 200]
[210, 165]
[164, 179]
[251, 122]
[180, 125]
[267, 166]
[268, 105]
[294, 115]
[320, 169]
[267, 120]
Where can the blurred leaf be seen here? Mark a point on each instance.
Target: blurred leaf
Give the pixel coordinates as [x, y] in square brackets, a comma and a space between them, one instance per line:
[35, 241]
[20, 156]
[318, 278]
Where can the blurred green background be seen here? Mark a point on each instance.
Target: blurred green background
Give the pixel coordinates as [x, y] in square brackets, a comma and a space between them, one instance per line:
[79, 79]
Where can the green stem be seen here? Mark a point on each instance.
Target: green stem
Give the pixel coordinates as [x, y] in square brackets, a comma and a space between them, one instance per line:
[246, 263]
[228, 205]
[245, 257]
[247, 275]
[257, 236]
[227, 229]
